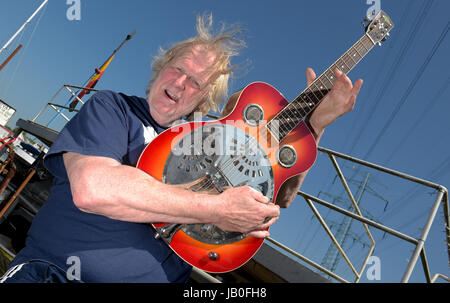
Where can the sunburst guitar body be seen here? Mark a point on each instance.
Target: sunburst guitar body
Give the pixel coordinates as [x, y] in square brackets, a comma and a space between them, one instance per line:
[233, 151]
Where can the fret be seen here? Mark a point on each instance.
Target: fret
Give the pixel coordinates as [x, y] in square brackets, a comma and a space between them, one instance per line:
[290, 112]
[295, 116]
[304, 105]
[282, 125]
[294, 120]
[314, 95]
[357, 52]
[309, 102]
[366, 49]
[347, 61]
[287, 123]
[296, 111]
[322, 86]
[320, 91]
[362, 49]
[332, 74]
[305, 97]
[353, 56]
[342, 66]
[283, 129]
[367, 43]
[328, 73]
[300, 106]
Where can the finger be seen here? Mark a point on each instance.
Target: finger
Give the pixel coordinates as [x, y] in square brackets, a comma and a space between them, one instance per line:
[342, 81]
[310, 76]
[269, 223]
[357, 86]
[273, 210]
[259, 234]
[258, 196]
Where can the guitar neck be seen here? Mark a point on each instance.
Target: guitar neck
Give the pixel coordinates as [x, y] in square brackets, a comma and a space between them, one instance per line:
[297, 110]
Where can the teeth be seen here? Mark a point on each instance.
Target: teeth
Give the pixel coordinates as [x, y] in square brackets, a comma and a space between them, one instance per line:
[171, 96]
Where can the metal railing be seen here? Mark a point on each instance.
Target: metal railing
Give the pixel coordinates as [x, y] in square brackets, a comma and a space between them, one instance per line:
[57, 107]
[442, 197]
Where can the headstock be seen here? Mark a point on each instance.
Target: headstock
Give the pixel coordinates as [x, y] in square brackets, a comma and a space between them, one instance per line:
[380, 26]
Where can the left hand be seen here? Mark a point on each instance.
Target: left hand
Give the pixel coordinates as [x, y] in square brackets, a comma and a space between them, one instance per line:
[340, 100]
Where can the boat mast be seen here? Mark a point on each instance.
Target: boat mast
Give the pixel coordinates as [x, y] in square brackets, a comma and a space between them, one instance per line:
[23, 26]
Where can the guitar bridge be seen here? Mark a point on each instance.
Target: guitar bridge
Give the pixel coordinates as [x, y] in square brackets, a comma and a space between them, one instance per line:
[167, 231]
[211, 158]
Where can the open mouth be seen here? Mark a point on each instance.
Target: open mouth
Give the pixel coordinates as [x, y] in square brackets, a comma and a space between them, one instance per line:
[171, 96]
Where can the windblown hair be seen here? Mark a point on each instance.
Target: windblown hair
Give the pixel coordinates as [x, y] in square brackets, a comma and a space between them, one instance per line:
[225, 44]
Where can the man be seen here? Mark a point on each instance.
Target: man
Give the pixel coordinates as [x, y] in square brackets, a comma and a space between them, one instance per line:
[91, 228]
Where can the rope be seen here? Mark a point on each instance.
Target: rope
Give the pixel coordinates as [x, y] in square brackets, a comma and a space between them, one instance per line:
[24, 50]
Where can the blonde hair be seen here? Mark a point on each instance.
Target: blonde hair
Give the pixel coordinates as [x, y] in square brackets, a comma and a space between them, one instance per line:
[225, 44]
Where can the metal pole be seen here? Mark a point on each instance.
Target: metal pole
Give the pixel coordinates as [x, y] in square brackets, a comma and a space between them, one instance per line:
[359, 218]
[310, 262]
[423, 237]
[43, 109]
[381, 168]
[10, 56]
[23, 26]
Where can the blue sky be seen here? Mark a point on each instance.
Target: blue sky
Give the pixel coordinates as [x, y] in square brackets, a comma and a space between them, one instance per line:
[400, 120]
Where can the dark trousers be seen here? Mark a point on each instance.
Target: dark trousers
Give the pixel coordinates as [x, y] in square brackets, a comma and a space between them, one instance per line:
[35, 272]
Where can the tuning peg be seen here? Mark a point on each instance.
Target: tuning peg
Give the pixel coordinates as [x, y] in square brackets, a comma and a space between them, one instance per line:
[379, 43]
[365, 20]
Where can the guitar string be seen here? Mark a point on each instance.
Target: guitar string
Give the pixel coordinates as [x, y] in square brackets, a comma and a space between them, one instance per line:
[305, 94]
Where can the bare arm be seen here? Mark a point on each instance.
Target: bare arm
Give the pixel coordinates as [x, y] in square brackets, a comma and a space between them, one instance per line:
[103, 186]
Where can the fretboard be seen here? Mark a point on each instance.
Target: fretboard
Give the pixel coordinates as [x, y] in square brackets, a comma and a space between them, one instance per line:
[297, 110]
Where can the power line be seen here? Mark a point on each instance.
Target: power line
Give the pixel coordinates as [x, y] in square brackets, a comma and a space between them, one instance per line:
[411, 86]
[438, 169]
[416, 123]
[393, 70]
[364, 105]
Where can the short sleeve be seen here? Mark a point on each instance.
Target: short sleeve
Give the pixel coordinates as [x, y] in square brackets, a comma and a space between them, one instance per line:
[99, 129]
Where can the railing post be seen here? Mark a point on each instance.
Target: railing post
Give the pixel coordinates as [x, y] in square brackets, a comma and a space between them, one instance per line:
[423, 237]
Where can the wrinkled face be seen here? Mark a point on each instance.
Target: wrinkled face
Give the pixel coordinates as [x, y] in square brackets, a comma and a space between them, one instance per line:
[180, 86]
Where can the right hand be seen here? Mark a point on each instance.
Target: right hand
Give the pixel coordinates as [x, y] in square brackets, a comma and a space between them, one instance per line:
[245, 210]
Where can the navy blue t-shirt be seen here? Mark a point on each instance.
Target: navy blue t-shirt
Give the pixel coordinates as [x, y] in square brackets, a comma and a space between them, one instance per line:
[110, 125]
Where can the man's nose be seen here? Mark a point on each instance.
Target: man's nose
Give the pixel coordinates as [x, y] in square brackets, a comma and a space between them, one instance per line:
[181, 80]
